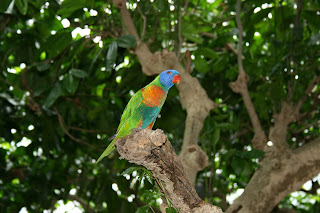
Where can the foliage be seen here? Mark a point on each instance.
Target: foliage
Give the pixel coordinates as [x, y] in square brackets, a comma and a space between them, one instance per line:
[62, 94]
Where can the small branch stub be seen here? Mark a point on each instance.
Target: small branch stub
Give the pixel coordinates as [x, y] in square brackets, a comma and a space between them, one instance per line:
[152, 149]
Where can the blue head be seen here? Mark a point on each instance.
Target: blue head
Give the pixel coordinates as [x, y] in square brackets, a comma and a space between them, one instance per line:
[168, 78]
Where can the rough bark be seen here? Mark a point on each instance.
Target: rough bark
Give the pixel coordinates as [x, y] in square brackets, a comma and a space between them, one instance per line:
[153, 150]
[192, 96]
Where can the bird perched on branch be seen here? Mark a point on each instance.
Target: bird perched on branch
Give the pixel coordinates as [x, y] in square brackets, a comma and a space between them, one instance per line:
[144, 107]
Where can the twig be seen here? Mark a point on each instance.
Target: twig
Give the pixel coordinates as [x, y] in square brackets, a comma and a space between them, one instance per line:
[24, 80]
[87, 130]
[4, 24]
[5, 81]
[230, 47]
[240, 32]
[61, 122]
[211, 35]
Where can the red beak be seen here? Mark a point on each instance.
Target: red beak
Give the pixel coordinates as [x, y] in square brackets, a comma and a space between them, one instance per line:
[176, 79]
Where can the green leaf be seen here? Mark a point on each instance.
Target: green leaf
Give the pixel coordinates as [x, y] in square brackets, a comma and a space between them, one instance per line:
[99, 90]
[193, 37]
[78, 73]
[201, 65]
[149, 178]
[43, 67]
[69, 6]
[132, 169]
[22, 6]
[238, 165]
[171, 210]
[143, 209]
[58, 42]
[208, 53]
[216, 136]
[111, 56]
[54, 94]
[127, 41]
[70, 84]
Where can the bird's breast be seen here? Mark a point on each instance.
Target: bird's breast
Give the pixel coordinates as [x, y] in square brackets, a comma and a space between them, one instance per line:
[153, 96]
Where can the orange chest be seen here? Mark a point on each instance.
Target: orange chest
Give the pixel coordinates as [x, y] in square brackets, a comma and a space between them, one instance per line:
[153, 96]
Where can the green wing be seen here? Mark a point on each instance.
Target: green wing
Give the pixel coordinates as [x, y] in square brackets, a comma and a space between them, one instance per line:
[133, 104]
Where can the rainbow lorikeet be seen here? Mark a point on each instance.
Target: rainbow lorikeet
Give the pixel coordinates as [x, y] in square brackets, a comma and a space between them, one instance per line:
[144, 107]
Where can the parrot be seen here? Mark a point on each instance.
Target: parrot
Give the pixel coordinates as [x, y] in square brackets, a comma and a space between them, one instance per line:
[144, 107]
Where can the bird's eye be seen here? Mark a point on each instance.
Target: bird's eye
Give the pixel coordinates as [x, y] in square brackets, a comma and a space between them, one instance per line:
[169, 72]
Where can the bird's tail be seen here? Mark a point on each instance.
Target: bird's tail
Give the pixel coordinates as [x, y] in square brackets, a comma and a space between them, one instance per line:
[112, 137]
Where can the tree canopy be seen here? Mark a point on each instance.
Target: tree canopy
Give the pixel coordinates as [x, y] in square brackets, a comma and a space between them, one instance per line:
[249, 100]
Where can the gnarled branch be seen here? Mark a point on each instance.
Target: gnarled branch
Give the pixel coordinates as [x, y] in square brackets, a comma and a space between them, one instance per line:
[153, 150]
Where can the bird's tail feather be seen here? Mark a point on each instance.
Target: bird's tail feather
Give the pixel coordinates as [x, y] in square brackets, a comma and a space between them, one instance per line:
[112, 137]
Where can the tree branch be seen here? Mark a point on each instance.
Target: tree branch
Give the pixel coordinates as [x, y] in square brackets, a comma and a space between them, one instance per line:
[61, 122]
[280, 174]
[153, 150]
[289, 112]
[94, 131]
[240, 86]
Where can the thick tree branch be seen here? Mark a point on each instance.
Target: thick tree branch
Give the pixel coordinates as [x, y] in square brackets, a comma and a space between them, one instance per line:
[280, 174]
[192, 96]
[153, 150]
[289, 112]
[240, 86]
[278, 132]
